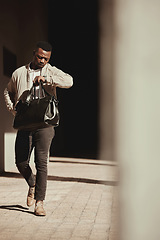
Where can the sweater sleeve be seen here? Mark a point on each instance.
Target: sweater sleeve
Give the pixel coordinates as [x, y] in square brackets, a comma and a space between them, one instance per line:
[10, 94]
[59, 78]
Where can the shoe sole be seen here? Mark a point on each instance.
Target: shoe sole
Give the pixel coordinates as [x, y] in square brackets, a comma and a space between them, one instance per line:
[40, 215]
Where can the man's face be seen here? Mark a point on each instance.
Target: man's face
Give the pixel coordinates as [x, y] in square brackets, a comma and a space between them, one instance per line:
[41, 58]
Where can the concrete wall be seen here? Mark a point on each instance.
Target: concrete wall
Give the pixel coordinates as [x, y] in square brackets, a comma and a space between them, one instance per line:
[106, 83]
[137, 116]
[130, 57]
[21, 25]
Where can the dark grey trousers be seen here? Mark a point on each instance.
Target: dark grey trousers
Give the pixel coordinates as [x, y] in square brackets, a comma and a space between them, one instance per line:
[40, 140]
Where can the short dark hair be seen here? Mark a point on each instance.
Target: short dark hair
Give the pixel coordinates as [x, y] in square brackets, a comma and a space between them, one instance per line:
[44, 45]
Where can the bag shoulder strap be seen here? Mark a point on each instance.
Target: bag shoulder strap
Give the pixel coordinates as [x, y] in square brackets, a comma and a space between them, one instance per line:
[55, 92]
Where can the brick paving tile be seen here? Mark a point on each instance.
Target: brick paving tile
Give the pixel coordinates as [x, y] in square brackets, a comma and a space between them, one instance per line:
[78, 238]
[76, 210]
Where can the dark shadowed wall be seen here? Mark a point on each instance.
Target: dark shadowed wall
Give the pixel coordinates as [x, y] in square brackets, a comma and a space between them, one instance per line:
[73, 32]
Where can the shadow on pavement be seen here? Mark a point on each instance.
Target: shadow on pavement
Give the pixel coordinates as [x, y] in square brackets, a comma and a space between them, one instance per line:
[16, 208]
[88, 163]
[65, 179]
[82, 180]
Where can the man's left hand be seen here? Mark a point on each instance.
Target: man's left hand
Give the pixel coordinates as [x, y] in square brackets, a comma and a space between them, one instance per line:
[38, 79]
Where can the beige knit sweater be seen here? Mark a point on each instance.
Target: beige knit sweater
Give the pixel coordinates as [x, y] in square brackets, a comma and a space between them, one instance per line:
[20, 82]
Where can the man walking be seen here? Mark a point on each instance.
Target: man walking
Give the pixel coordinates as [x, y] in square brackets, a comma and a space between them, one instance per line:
[38, 139]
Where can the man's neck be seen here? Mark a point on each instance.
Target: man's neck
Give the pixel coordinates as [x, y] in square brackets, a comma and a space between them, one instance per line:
[32, 66]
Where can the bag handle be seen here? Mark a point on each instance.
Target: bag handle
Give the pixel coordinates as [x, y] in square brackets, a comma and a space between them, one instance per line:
[32, 93]
[29, 97]
[54, 92]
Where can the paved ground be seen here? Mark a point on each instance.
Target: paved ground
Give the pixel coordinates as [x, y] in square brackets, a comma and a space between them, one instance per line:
[80, 203]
